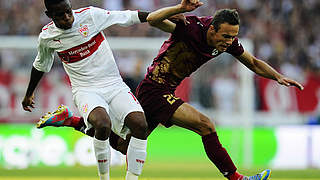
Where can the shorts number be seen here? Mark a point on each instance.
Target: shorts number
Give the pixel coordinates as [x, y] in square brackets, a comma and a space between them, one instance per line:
[170, 98]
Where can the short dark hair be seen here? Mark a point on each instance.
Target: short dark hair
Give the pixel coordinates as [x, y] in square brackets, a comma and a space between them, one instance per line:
[229, 16]
[49, 3]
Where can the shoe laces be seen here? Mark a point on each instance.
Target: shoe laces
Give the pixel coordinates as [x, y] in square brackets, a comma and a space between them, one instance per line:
[60, 108]
[48, 114]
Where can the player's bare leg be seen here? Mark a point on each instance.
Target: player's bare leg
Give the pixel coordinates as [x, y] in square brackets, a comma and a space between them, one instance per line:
[188, 117]
[134, 146]
[63, 116]
[137, 147]
[101, 123]
[180, 118]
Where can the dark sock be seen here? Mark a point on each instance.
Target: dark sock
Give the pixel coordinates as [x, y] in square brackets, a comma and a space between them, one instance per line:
[77, 122]
[74, 121]
[235, 176]
[113, 139]
[218, 155]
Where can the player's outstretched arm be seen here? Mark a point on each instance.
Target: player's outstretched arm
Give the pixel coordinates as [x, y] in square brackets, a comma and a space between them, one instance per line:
[265, 70]
[28, 102]
[159, 18]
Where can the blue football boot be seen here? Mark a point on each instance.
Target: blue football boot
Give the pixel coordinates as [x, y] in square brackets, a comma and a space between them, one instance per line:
[264, 175]
[56, 118]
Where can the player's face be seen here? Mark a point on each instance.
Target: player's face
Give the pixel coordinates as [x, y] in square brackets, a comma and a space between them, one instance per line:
[222, 38]
[61, 15]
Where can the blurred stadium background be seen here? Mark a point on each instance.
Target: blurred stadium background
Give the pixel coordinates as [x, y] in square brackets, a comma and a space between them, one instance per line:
[262, 124]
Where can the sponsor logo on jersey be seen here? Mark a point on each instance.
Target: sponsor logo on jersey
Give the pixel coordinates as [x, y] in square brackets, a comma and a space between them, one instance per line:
[84, 30]
[81, 51]
[85, 108]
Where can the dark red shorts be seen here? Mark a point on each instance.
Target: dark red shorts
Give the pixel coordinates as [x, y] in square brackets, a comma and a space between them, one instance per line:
[158, 103]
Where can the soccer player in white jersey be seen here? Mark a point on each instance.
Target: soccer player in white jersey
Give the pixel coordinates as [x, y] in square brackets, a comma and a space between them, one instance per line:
[99, 92]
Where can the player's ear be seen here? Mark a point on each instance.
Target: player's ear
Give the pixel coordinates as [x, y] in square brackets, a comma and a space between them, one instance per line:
[212, 29]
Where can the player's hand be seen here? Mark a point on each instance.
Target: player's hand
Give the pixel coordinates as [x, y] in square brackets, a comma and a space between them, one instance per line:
[190, 5]
[289, 82]
[28, 103]
[179, 18]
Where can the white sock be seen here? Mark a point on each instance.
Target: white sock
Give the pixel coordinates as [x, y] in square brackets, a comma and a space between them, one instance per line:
[104, 176]
[103, 154]
[131, 176]
[136, 156]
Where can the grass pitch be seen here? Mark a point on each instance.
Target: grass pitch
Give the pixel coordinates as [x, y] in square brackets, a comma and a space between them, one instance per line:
[151, 171]
[77, 178]
[167, 160]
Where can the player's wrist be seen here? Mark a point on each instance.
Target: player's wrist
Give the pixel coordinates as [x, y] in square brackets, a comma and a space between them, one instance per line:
[180, 8]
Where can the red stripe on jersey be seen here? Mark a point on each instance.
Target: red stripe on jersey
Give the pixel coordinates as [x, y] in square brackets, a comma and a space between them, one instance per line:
[134, 98]
[82, 10]
[47, 26]
[81, 51]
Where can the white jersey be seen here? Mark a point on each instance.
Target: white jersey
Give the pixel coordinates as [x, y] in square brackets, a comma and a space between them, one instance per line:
[83, 49]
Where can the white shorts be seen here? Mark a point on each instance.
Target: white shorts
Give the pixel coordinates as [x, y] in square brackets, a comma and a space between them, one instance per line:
[118, 101]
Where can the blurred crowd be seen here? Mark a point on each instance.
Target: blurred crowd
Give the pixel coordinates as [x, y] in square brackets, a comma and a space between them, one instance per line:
[285, 33]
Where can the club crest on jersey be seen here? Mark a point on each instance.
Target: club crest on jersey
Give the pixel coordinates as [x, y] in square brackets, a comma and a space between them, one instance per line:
[85, 108]
[84, 30]
[215, 52]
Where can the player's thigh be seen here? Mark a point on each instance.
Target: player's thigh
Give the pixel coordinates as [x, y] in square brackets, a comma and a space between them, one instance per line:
[86, 102]
[123, 104]
[188, 117]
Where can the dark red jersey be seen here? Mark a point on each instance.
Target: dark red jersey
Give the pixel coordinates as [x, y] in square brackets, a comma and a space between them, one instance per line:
[185, 51]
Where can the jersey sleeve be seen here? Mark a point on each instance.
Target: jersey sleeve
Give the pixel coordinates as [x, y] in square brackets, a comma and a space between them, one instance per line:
[45, 57]
[180, 29]
[236, 48]
[104, 18]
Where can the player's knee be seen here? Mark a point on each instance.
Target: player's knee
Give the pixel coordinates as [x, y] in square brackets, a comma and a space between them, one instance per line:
[138, 125]
[102, 129]
[100, 120]
[140, 130]
[102, 124]
[206, 126]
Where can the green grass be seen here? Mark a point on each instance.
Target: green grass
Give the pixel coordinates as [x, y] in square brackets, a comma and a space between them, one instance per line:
[168, 159]
[158, 171]
[77, 178]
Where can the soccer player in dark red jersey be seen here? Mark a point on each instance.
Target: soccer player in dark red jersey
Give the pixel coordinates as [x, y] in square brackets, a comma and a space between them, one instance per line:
[190, 46]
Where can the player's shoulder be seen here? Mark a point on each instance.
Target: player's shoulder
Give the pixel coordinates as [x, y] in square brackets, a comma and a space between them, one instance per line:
[48, 26]
[191, 17]
[82, 11]
[47, 30]
[199, 22]
[88, 11]
[203, 19]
